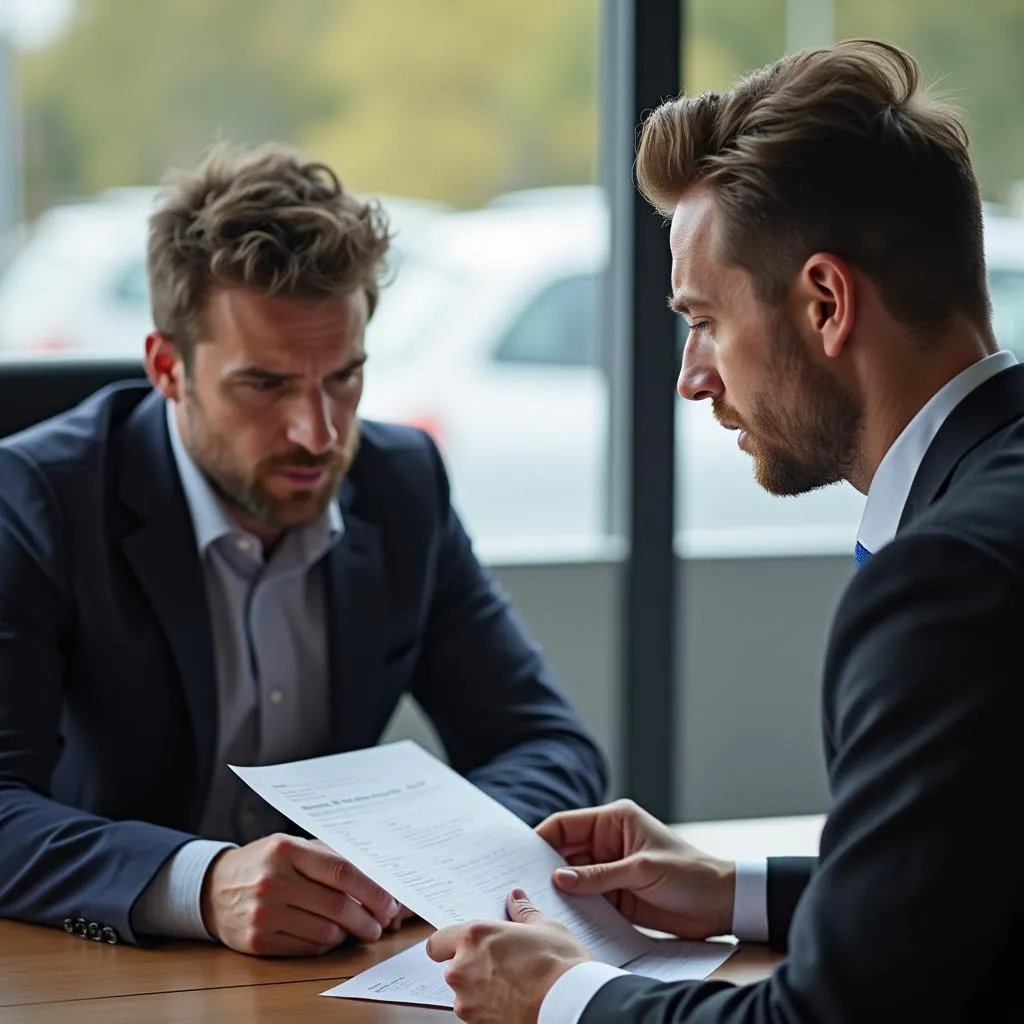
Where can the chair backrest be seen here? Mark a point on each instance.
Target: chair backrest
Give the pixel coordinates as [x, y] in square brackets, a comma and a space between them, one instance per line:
[31, 392]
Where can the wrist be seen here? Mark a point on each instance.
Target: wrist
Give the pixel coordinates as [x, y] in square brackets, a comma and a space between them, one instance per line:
[206, 896]
[725, 889]
[551, 977]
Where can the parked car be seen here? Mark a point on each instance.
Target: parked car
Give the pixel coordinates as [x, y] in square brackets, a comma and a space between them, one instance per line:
[489, 339]
[79, 285]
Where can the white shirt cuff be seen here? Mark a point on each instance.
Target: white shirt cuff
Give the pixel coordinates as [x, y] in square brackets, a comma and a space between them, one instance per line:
[171, 905]
[568, 997]
[750, 902]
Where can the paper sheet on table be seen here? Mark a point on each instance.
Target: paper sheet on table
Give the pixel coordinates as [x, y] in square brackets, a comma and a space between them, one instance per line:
[412, 977]
[438, 844]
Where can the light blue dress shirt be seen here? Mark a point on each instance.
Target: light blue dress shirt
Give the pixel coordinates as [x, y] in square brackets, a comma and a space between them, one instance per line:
[269, 630]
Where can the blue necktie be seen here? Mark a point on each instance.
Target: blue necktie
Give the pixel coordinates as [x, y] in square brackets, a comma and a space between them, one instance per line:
[860, 555]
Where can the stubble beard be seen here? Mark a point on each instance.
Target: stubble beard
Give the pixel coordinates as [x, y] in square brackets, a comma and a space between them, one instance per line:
[246, 492]
[803, 432]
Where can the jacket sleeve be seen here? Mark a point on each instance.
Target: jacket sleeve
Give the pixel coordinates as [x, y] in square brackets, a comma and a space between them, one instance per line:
[923, 703]
[485, 685]
[787, 879]
[56, 862]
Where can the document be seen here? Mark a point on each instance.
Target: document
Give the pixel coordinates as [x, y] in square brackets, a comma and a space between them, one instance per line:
[438, 844]
[412, 977]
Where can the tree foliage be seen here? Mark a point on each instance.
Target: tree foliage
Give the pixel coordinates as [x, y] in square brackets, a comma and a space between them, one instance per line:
[450, 99]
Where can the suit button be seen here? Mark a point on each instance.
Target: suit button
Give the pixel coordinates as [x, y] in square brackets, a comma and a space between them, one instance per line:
[94, 931]
[109, 935]
[69, 925]
[81, 927]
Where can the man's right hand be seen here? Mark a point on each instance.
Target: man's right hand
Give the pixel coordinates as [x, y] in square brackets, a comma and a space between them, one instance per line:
[286, 896]
[653, 877]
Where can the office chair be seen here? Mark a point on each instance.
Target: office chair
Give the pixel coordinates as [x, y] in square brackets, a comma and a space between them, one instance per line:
[32, 391]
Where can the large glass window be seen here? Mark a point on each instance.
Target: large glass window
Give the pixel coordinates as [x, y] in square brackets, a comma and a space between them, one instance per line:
[475, 123]
[970, 52]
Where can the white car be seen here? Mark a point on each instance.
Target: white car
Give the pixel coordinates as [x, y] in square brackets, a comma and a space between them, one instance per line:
[488, 338]
[78, 285]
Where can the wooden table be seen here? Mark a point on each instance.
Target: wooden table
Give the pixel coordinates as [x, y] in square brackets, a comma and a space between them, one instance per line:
[47, 976]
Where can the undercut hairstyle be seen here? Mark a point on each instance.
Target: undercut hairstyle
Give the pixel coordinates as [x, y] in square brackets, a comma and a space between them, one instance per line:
[836, 150]
[265, 219]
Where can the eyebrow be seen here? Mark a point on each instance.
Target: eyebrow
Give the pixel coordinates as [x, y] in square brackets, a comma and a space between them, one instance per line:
[682, 304]
[259, 373]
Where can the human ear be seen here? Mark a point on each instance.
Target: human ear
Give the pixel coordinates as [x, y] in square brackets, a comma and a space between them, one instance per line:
[827, 295]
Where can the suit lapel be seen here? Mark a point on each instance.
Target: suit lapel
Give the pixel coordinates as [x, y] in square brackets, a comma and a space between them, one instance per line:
[355, 614]
[990, 407]
[162, 553]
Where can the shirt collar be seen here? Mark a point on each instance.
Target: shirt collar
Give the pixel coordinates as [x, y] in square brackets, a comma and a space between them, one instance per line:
[211, 520]
[892, 481]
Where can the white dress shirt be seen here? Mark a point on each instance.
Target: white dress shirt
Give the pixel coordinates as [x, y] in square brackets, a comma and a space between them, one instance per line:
[888, 493]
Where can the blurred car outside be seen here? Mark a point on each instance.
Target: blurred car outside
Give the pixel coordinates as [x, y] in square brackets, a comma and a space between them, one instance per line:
[501, 363]
[488, 338]
[498, 357]
[78, 283]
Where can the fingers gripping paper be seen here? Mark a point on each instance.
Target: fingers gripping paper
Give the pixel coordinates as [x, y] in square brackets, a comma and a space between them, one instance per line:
[451, 854]
[438, 844]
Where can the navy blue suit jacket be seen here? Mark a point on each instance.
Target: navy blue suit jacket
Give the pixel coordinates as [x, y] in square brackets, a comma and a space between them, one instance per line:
[108, 706]
[914, 910]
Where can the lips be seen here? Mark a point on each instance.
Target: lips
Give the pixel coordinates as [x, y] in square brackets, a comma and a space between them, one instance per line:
[742, 437]
[303, 475]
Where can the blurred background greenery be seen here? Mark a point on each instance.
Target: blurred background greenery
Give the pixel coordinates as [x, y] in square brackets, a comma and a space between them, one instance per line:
[455, 100]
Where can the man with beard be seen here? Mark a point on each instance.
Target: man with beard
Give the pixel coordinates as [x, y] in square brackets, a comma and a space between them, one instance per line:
[227, 567]
[826, 238]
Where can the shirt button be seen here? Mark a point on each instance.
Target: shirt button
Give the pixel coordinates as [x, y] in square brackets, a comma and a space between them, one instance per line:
[243, 544]
[276, 696]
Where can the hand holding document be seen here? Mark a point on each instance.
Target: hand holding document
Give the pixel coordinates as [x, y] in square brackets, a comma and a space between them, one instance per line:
[439, 845]
[444, 849]
[412, 977]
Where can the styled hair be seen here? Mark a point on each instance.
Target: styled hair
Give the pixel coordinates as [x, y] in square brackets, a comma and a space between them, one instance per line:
[262, 219]
[833, 150]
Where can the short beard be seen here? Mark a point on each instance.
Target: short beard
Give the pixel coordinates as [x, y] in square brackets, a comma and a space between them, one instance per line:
[246, 493]
[801, 447]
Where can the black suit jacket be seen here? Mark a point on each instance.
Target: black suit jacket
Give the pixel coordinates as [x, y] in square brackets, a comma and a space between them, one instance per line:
[914, 910]
[108, 707]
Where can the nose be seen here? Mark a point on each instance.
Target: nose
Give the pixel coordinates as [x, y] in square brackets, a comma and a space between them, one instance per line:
[698, 378]
[311, 424]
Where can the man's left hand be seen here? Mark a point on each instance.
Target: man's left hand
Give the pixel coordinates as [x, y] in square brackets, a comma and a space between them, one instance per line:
[501, 971]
